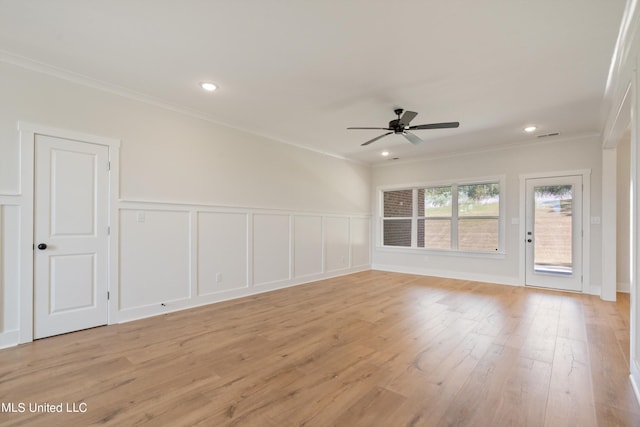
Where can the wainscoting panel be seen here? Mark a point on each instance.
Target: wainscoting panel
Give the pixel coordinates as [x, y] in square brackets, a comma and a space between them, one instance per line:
[174, 256]
[336, 243]
[222, 252]
[154, 257]
[360, 241]
[307, 243]
[9, 274]
[271, 248]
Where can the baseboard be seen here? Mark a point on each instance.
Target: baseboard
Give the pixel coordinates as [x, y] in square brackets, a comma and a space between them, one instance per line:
[9, 338]
[636, 389]
[623, 287]
[136, 313]
[595, 290]
[487, 278]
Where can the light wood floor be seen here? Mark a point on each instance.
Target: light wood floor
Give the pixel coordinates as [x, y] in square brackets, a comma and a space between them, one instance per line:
[369, 349]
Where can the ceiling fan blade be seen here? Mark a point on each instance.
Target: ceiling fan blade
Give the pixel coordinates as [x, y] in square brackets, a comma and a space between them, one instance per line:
[371, 128]
[413, 138]
[436, 126]
[407, 117]
[376, 138]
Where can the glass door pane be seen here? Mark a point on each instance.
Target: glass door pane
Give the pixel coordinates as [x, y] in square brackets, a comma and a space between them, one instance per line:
[553, 232]
[553, 229]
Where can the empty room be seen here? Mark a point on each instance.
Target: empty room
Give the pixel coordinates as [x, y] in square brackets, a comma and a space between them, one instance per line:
[286, 213]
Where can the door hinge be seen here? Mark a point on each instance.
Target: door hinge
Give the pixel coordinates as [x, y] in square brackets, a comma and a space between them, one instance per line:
[108, 231]
[108, 295]
[108, 166]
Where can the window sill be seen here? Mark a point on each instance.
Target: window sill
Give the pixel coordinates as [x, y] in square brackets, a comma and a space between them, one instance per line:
[442, 252]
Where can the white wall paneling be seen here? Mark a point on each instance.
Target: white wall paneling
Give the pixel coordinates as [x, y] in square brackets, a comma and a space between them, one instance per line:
[9, 272]
[175, 256]
[337, 239]
[271, 249]
[360, 229]
[307, 242]
[155, 250]
[222, 252]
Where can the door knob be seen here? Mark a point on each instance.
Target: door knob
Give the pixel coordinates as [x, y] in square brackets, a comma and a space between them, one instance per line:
[42, 246]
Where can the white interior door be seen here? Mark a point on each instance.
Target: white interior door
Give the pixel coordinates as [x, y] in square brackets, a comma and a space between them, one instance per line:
[71, 236]
[554, 232]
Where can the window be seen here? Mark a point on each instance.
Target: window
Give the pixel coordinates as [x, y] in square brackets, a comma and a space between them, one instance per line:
[398, 212]
[459, 217]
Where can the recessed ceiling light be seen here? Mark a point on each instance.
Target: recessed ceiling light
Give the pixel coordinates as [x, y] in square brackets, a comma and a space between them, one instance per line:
[530, 129]
[209, 87]
[385, 153]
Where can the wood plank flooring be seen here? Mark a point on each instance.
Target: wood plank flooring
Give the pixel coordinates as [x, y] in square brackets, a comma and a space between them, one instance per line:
[368, 349]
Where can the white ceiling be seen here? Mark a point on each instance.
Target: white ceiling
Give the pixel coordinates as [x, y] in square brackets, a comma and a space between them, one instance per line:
[303, 71]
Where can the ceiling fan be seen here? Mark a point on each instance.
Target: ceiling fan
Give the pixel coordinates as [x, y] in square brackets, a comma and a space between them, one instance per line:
[401, 126]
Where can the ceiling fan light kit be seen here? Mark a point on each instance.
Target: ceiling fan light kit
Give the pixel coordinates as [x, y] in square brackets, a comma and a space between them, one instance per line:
[400, 126]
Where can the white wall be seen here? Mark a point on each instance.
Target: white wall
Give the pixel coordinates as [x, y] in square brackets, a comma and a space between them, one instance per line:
[169, 156]
[223, 210]
[559, 155]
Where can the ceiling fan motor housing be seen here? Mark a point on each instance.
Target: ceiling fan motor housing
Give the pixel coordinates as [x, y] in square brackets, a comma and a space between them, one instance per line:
[395, 126]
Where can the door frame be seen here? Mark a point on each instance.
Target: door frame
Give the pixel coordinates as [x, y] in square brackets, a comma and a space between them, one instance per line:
[28, 132]
[586, 223]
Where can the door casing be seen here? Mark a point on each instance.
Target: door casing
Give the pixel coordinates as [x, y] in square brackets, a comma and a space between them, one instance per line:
[567, 282]
[28, 132]
[586, 223]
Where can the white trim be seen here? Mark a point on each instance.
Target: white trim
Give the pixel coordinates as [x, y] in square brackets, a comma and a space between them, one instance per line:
[28, 132]
[586, 221]
[250, 220]
[454, 184]
[10, 200]
[624, 42]
[634, 384]
[27, 140]
[624, 287]
[634, 241]
[215, 207]
[9, 338]
[609, 207]
[556, 174]
[449, 274]
[441, 252]
[594, 290]
[621, 121]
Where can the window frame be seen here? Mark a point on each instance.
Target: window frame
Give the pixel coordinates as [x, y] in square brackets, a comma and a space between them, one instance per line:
[455, 217]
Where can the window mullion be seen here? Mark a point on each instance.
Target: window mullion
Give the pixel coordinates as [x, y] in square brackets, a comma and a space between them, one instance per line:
[414, 219]
[454, 217]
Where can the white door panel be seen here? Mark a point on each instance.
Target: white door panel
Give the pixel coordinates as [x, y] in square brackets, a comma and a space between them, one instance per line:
[69, 191]
[71, 241]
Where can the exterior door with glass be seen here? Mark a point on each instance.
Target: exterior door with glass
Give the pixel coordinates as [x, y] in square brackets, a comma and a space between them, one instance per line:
[553, 233]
